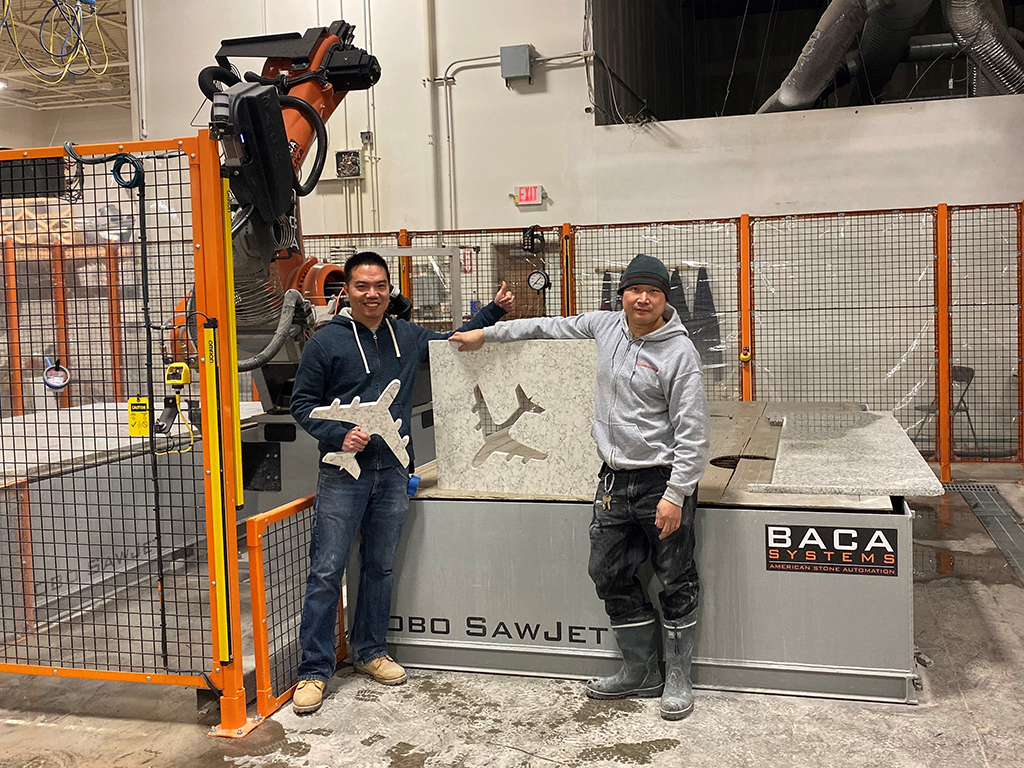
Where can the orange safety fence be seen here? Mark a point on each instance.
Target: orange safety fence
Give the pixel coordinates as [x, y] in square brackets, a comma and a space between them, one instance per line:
[915, 311]
[278, 541]
[145, 587]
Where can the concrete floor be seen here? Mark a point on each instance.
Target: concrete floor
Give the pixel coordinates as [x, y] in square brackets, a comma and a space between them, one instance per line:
[969, 622]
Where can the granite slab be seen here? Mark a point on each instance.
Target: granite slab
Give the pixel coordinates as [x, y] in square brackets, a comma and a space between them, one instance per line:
[852, 453]
[515, 418]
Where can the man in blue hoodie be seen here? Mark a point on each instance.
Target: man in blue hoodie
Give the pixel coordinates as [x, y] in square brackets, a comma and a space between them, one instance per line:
[358, 354]
[652, 430]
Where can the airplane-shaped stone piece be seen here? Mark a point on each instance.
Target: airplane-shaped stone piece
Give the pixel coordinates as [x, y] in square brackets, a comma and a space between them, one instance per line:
[373, 419]
[496, 436]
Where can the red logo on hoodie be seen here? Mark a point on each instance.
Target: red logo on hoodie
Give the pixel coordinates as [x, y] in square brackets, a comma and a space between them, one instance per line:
[648, 367]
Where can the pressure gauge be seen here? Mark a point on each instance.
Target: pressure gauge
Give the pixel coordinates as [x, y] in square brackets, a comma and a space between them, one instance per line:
[539, 280]
[55, 375]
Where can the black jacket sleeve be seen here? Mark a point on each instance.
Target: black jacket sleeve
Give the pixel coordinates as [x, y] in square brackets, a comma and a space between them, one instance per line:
[311, 382]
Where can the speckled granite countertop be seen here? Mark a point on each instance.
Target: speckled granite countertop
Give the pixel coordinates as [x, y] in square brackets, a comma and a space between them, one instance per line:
[853, 453]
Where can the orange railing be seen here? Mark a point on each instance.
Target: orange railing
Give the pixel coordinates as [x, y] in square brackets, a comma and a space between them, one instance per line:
[277, 541]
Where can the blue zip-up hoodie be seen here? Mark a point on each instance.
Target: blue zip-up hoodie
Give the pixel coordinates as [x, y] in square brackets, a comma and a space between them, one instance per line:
[345, 359]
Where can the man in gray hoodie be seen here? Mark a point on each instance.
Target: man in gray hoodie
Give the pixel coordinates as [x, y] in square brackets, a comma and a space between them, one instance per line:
[652, 430]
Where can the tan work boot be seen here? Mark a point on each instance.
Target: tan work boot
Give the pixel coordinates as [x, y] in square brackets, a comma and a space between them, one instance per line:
[384, 670]
[308, 696]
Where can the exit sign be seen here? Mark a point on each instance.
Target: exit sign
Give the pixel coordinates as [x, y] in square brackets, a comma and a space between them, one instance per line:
[529, 195]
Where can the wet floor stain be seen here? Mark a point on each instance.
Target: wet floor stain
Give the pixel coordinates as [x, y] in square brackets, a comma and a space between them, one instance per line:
[639, 753]
[593, 712]
[404, 755]
[295, 749]
[368, 694]
[317, 732]
[950, 541]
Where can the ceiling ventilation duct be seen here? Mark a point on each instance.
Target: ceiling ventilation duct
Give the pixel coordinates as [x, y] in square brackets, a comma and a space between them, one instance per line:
[981, 32]
[823, 54]
[885, 39]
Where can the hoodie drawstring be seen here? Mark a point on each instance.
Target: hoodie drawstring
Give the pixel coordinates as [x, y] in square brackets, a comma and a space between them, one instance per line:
[394, 339]
[362, 354]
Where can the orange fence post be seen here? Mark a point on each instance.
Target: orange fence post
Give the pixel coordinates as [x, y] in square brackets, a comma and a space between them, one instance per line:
[254, 529]
[114, 319]
[405, 265]
[60, 308]
[568, 271]
[220, 423]
[943, 340]
[746, 297]
[1020, 341]
[25, 553]
[13, 333]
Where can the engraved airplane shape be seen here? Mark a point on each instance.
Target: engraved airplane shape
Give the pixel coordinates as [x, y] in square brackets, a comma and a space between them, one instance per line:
[496, 436]
[373, 419]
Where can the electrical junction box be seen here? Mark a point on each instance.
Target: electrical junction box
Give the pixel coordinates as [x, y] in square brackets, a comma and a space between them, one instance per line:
[515, 61]
[349, 163]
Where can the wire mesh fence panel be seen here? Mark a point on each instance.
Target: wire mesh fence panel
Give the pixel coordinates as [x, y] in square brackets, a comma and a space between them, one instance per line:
[984, 250]
[285, 565]
[702, 260]
[102, 548]
[489, 257]
[844, 311]
[280, 538]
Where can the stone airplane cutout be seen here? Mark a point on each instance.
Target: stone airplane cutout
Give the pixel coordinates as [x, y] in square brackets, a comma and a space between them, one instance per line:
[496, 436]
[373, 419]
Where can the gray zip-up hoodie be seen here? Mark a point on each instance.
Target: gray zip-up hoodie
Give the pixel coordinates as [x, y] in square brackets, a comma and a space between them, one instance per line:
[649, 403]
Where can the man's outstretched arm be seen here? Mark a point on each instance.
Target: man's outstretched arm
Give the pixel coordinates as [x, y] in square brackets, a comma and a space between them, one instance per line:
[576, 327]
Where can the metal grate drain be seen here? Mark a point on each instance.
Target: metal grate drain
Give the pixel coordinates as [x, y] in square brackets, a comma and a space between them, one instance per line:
[999, 519]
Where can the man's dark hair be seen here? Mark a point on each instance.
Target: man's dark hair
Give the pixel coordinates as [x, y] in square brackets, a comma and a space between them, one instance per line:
[365, 259]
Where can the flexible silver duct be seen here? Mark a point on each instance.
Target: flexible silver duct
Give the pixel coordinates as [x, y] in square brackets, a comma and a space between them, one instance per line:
[823, 54]
[981, 32]
[885, 39]
[977, 83]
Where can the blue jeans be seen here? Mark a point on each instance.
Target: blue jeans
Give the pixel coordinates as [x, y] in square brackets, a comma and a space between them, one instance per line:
[623, 535]
[376, 505]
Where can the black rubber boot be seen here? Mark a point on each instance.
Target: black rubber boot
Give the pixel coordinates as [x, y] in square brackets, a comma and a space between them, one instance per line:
[677, 700]
[640, 675]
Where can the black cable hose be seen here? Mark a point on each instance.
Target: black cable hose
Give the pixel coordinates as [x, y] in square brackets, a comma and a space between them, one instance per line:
[292, 301]
[210, 76]
[321, 142]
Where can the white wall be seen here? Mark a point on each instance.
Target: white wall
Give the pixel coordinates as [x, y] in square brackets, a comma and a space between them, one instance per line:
[21, 128]
[17, 127]
[877, 157]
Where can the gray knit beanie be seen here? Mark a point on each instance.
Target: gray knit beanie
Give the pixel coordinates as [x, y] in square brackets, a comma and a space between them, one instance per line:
[645, 270]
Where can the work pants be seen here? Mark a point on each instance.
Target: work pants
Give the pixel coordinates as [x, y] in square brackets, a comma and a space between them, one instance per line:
[623, 536]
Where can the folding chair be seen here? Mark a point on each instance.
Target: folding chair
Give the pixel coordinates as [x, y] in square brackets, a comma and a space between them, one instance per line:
[961, 376]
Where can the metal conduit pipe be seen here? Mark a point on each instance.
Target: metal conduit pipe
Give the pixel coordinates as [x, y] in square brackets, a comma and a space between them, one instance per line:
[884, 41]
[926, 48]
[982, 34]
[823, 54]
